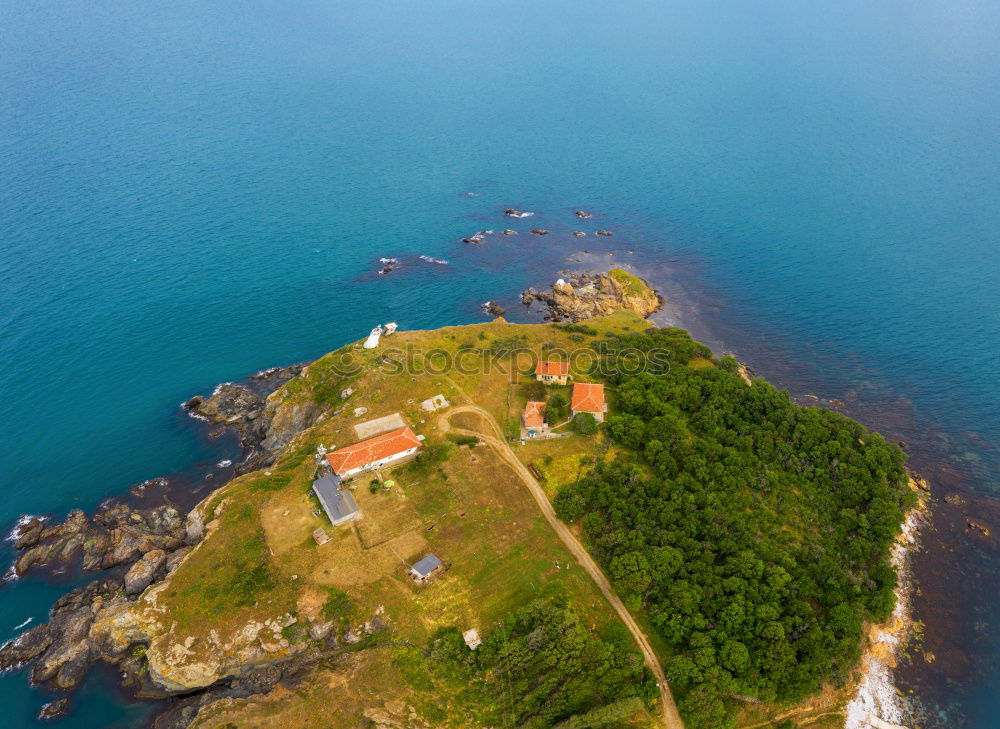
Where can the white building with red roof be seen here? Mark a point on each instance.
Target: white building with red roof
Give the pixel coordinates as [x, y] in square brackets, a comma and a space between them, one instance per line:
[588, 397]
[378, 452]
[552, 373]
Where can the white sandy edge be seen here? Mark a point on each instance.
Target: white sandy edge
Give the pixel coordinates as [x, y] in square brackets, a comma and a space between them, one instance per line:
[877, 704]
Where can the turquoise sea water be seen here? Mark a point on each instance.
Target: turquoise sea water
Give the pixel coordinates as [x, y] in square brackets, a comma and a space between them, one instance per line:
[191, 191]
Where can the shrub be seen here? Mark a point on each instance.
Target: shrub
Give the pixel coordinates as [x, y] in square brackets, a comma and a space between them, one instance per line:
[536, 391]
[584, 424]
[557, 409]
[507, 345]
[430, 456]
[294, 633]
[274, 482]
[579, 329]
[729, 363]
[338, 606]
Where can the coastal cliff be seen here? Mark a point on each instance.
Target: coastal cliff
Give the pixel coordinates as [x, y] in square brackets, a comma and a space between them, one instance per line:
[103, 621]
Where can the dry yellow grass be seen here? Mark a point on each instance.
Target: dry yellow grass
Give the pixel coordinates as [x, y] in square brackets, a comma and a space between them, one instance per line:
[473, 512]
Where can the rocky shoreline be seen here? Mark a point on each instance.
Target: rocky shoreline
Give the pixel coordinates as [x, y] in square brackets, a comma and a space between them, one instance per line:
[876, 700]
[133, 548]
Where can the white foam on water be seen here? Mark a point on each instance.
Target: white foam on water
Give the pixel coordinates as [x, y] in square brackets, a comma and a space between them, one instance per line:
[876, 695]
[226, 463]
[24, 624]
[434, 260]
[21, 521]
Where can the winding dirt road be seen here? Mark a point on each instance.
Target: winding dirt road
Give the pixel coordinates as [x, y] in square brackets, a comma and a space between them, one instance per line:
[671, 718]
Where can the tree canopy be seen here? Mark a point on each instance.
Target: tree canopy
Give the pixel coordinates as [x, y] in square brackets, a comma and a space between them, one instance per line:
[542, 667]
[755, 533]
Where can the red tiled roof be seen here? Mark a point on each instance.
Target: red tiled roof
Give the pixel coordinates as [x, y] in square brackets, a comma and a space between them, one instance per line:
[588, 398]
[534, 413]
[373, 449]
[559, 369]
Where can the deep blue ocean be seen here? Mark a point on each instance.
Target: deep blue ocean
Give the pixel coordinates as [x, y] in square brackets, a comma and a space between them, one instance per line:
[193, 191]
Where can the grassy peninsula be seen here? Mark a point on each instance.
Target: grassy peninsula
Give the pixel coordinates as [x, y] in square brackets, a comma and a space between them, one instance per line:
[748, 537]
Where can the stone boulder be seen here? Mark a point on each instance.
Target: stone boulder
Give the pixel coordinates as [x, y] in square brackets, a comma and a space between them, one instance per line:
[141, 574]
[62, 647]
[54, 709]
[228, 404]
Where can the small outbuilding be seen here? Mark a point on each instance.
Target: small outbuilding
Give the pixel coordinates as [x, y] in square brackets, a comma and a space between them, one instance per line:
[429, 565]
[338, 504]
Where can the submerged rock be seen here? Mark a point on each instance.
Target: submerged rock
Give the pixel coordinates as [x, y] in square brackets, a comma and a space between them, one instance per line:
[578, 234]
[54, 709]
[977, 528]
[582, 214]
[493, 309]
[508, 231]
[605, 233]
[539, 231]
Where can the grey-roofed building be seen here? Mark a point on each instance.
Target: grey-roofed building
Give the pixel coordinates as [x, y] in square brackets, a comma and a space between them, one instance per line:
[338, 504]
[426, 567]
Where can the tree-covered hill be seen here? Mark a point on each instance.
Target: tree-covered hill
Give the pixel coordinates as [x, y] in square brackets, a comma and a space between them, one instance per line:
[754, 533]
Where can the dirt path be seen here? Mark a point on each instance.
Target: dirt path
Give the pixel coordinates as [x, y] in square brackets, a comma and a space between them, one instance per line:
[671, 718]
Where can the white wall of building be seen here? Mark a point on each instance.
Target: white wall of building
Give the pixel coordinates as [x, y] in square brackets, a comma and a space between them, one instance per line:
[380, 464]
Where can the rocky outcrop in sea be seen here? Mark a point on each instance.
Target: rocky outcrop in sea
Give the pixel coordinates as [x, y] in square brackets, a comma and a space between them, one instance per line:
[134, 548]
[264, 423]
[579, 296]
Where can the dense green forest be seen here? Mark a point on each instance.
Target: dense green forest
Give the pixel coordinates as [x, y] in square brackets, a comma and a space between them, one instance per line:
[542, 668]
[753, 532]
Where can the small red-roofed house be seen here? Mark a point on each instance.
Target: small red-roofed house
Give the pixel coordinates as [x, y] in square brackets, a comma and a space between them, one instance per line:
[552, 373]
[588, 397]
[382, 450]
[533, 418]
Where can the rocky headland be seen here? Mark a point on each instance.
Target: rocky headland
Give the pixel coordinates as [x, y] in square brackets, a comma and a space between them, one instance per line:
[578, 296]
[133, 548]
